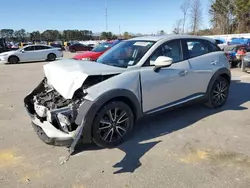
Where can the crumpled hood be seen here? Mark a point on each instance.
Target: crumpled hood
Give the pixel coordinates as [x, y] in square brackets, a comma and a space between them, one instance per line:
[68, 75]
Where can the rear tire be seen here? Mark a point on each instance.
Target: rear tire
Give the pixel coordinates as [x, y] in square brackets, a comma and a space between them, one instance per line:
[113, 124]
[218, 94]
[51, 57]
[13, 59]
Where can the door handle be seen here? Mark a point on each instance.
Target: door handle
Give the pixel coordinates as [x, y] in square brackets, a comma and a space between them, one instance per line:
[214, 62]
[183, 73]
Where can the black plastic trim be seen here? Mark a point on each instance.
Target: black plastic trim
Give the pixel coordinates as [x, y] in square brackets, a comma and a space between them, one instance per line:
[178, 103]
[217, 74]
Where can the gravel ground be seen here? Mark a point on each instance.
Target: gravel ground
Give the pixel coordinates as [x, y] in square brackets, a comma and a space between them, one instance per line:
[190, 147]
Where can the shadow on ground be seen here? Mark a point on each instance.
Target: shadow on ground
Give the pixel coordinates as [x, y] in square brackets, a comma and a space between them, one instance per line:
[31, 62]
[166, 123]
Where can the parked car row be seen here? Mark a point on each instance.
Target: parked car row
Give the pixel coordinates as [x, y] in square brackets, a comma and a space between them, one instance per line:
[96, 52]
[236, 49]
[53, 51]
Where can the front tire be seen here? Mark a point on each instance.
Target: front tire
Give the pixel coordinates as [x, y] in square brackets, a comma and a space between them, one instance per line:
[113, 124]
[13, 59]
[218, 94]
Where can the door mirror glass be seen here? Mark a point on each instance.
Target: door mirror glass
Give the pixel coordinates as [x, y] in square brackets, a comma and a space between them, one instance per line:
[162, 61]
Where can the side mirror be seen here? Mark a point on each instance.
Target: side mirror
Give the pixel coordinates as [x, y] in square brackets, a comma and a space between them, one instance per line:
[162, 61]
[22, 51]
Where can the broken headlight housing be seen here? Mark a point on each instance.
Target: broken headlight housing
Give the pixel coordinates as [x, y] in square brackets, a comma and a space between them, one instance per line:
[64, 122]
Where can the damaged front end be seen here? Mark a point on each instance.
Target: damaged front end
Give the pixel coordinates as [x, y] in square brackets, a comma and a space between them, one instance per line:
[60, 108]
[53, 117]
[59, 121]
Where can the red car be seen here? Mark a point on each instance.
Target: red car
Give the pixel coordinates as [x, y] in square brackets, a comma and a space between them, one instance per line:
[79, 47]
[95, 53]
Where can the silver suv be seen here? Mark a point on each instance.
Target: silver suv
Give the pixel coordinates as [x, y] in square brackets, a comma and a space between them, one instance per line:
[101, 101]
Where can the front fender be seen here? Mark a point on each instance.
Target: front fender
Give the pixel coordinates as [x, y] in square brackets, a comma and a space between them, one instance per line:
[86, 117]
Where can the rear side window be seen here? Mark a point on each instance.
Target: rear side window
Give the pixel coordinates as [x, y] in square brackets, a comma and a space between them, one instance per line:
[196, 47]
[211, 46]
[29, 48]
[41, 47]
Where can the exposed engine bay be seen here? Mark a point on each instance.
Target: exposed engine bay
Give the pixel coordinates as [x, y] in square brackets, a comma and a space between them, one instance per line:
[48, 105]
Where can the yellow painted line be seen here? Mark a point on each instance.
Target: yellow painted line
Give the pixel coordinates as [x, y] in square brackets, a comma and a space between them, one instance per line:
[25, 171]
[9, 158]
[195, 156]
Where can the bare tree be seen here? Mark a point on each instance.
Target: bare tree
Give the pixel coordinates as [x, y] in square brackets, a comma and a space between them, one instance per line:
[196, 15]
[177, 27]
[184, 8]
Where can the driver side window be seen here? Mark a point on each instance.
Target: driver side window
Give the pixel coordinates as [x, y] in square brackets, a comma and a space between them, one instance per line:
[170, 49]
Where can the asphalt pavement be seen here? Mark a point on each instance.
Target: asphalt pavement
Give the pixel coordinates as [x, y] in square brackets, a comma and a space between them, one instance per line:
[192, 147]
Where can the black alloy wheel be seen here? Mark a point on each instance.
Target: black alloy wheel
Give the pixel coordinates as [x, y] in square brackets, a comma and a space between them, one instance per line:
[112, 124]
[219, 93]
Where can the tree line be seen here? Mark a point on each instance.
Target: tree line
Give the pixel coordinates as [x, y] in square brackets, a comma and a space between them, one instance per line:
[230, 16]
[54, 35]
[226, 17]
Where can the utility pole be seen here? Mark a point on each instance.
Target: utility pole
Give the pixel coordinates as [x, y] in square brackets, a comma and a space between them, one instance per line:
[106, 15]
[119, 30]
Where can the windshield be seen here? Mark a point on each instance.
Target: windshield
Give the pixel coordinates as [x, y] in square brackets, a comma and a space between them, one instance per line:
[126, 53]
[102, 47]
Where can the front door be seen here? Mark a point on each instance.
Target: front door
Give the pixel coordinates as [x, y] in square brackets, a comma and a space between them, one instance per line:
[27, 54]
[167, 87]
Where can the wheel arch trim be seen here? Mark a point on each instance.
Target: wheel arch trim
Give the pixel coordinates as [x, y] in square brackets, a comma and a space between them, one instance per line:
[217, 74]
[102, 100]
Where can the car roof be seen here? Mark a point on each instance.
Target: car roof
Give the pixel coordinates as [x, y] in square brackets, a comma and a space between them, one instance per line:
[170, 37]
[37, 45]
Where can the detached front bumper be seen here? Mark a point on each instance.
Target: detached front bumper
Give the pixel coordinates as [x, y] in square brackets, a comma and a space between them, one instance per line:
[44, 129]
[50, 135]
[50, 132]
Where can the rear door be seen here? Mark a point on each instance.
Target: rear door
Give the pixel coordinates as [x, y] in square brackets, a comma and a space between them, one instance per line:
[41, 52]
[204, 59]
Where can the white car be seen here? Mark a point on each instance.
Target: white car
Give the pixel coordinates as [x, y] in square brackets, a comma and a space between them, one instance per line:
[101, 101]
[28, 53]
